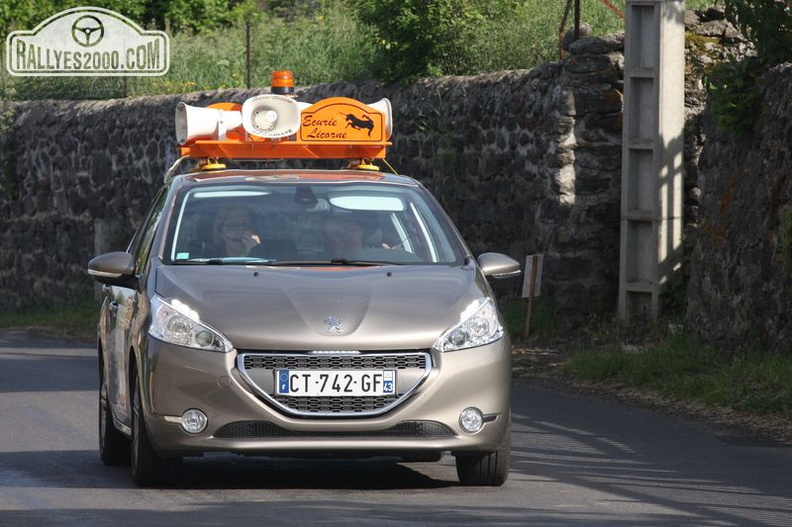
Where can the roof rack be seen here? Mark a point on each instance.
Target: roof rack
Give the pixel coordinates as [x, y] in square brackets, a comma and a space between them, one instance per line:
[273, 126]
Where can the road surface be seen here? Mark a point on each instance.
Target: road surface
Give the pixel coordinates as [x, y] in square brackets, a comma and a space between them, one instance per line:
[577, 460]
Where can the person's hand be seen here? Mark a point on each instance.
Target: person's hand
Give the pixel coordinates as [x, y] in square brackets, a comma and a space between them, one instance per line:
[397, 246]
[250, 240]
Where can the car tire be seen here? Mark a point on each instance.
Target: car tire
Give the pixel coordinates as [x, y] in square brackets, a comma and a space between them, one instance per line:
[486, 468]
[114, 447]
[149, 469]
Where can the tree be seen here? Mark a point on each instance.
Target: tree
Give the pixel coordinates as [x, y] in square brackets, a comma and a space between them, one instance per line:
[424, 37]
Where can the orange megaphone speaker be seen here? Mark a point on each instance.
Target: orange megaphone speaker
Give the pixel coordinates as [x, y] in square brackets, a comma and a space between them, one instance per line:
[383, 106]
[204, 123]
[271, 116]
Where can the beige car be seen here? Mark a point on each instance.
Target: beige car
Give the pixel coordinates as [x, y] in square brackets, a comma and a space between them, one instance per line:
[301, 313]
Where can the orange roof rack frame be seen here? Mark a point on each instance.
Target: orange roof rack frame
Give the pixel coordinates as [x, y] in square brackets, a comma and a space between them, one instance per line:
[274, 126]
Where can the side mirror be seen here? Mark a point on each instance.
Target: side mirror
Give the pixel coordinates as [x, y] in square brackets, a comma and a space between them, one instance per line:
[116, 268]
[498, 265]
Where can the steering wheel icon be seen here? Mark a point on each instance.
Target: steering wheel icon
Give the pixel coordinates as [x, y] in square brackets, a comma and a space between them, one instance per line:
[87, 31]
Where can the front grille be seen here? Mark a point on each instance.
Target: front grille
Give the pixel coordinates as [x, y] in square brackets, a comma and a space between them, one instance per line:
[336, 362]
[258, 368]
[267, 430]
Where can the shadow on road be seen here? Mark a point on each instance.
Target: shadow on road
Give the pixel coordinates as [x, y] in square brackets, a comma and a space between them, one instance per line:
[83, 469]
[639, 456]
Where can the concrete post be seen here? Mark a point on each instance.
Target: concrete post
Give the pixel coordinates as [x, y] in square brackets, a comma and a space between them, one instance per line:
[652, 168]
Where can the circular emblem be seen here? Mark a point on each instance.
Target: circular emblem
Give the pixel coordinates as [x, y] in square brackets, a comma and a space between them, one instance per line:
[87, 31]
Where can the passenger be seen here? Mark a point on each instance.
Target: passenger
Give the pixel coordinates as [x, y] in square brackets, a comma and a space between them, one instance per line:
[234, 233]
[343, 235]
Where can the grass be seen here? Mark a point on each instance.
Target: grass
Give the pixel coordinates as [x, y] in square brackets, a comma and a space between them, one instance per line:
[73, 321]
[543, 320]
[669, 363]
[678, 367]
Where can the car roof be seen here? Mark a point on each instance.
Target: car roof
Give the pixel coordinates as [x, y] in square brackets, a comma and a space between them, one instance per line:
[234, 176]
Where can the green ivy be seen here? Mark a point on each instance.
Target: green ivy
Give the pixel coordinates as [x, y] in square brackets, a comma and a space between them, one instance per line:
[734, 95]
[767, 24]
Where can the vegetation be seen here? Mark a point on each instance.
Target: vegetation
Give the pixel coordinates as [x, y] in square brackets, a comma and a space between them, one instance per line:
[734, 94]
[658, 360]
[733, 85]
[677, 367]
[419, 39]
[543, 323]
[321, 40]
[767, 24]
[78, 320]
[323, 47]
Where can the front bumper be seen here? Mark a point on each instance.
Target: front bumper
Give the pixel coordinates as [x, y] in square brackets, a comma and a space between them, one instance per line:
[176, 379]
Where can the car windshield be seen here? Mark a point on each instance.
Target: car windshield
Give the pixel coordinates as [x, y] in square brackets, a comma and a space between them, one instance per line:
[303, 223]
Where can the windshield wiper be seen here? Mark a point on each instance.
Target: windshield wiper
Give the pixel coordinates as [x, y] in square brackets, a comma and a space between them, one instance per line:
[229, 260]
[202, 261]
[360, 263]
[334, 261]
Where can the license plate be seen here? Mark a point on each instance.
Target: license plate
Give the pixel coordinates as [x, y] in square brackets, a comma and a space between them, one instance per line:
[335, 383]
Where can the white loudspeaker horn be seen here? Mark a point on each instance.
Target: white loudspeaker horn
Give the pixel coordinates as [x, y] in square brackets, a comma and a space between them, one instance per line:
[205, 123]
[271, 116]
[384, 107]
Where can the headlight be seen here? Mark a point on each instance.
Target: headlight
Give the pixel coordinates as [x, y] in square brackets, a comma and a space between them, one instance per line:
[479, 325]
[176, 323]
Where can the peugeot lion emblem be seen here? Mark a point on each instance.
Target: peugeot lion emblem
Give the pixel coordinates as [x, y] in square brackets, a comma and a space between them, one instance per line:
[333, 325]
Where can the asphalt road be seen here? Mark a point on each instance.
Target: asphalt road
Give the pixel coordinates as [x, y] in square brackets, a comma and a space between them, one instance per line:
[577, 460]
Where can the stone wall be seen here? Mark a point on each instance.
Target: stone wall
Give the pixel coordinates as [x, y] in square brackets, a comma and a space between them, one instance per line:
[740, 292]
[709, 41]
[524, 161]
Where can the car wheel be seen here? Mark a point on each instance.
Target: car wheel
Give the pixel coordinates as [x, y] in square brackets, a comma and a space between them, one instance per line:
[113, 445]
[148, 467]
[486, 468]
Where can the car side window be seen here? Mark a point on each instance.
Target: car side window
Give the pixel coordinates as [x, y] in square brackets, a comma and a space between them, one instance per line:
[141, 243]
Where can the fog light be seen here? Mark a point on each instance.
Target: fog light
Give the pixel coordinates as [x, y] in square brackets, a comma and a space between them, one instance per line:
[204, 338]
[471, 420]
[193, 421]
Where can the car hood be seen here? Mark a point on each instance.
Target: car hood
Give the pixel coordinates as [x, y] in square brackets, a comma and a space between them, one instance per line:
[319, 308]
